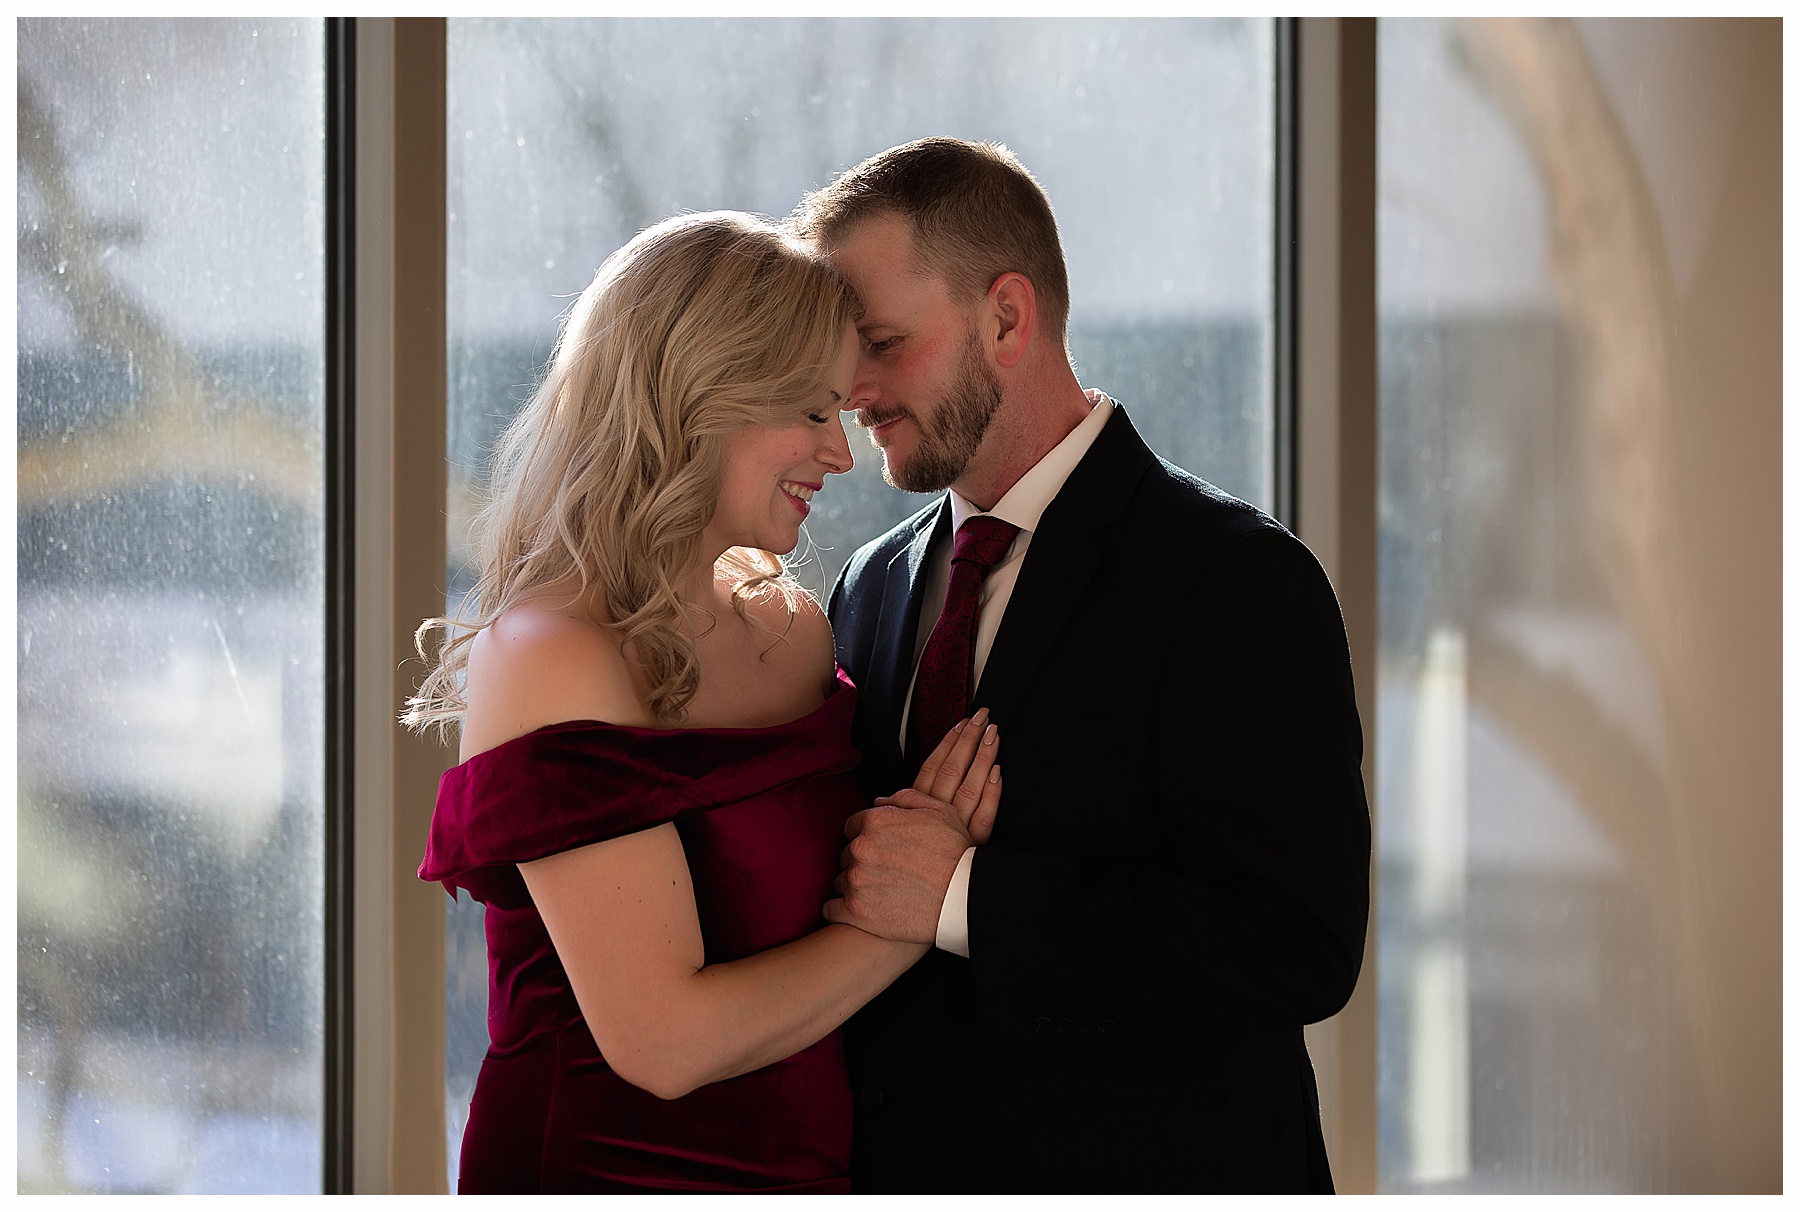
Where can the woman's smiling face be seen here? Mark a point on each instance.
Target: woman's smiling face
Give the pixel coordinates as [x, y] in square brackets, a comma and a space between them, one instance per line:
[770, 473]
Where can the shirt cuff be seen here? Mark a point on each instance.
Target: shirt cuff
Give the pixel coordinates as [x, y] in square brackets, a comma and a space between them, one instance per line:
[953, 918]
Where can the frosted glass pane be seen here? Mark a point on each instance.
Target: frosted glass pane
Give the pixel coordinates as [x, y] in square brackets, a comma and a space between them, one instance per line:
[1154, 140]
[1578, 778]
[170, 177]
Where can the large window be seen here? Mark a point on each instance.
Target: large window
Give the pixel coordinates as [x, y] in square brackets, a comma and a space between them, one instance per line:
[1577, 720]
[170, 320]
[1154, 140]
[1580, 954]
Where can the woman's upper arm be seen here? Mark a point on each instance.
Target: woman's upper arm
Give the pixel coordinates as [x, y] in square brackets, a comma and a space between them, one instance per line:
[621, 916]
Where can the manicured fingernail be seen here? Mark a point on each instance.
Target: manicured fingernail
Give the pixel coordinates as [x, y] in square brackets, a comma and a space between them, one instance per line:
[991, 735]
[994, 775]
[982, 714]
[959, 726]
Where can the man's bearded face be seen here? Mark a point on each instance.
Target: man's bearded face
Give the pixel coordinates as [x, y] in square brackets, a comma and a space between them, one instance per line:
[952, 433]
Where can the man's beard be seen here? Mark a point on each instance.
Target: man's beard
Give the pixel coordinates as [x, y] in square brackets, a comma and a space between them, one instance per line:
[954, 433]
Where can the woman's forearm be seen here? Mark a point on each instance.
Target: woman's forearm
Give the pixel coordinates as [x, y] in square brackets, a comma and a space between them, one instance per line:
[782, 1000]
[727, 1019]
[622, 917]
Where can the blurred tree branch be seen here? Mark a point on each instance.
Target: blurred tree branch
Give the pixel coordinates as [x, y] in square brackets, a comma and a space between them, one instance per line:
[182, 428]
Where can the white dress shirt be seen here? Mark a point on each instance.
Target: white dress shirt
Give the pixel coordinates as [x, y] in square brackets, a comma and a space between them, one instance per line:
[1023, 505]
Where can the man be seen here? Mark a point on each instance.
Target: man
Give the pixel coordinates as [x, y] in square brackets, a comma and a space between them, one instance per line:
[1177, 880]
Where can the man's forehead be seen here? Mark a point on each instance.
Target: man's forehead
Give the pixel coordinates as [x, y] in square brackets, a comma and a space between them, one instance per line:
[881, 251]
[881, 241]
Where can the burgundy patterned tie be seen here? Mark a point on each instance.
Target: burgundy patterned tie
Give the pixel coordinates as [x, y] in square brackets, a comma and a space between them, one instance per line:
[947, 669]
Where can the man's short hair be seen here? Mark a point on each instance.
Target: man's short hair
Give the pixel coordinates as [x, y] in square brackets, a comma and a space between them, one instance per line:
[976, 213]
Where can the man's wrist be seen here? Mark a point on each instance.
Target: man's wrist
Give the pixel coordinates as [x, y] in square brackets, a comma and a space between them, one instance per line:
[953, 917]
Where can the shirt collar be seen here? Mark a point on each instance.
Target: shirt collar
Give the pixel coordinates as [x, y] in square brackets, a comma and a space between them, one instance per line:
[1025, 502]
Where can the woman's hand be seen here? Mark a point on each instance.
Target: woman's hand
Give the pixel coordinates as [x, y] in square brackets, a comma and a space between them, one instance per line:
[960, 777]
[898, 865]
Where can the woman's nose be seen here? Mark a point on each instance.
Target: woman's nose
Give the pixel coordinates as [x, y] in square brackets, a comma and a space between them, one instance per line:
[863, 389]
[834, 451]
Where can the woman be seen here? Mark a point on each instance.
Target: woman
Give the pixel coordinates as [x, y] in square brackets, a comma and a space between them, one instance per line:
[656, 764]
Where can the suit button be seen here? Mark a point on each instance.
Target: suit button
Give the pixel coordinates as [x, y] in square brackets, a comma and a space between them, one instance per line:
[1085, 1026]
[1107, 1026]
[1042, 1026]
[869, 1096]
[1064, 1026]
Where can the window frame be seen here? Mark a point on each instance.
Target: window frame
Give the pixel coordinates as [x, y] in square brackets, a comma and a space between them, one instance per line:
[386, 567]
[1336, 474]
[385, 1132]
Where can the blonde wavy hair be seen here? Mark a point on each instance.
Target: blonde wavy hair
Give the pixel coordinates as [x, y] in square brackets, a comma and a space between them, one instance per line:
[699, 326]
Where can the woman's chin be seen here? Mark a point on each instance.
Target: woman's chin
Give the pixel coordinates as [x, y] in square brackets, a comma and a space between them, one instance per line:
[781, 543]
[788, 534]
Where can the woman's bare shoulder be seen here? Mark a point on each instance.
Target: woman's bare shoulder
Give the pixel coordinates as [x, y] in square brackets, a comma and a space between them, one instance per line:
[812, 636]
[544, 662]
[806, 643]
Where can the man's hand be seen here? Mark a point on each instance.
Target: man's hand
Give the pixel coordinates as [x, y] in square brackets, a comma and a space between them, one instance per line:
[904, 850]
[896, 869]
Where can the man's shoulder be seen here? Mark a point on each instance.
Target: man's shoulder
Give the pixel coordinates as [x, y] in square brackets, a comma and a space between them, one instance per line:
[875, 555]
[1196, 511]
[1227, 551]
[1167, 501]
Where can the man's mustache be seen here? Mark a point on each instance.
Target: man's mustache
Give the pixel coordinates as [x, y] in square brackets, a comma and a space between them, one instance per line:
[874, 420]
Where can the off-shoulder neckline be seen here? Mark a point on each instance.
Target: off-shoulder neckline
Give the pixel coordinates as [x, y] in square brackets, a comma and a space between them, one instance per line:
[841, 683]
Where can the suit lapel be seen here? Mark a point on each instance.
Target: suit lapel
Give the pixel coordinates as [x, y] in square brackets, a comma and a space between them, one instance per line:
[897, 626]
[1063, 557]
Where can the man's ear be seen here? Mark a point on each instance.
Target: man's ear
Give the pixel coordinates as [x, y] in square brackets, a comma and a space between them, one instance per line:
[1013, 304]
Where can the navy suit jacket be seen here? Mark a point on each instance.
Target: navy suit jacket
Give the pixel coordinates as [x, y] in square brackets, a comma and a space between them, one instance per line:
[1178, 878]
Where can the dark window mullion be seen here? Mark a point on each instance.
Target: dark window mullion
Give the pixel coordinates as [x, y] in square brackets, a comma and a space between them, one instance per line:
[340, 564]
[1285, 364]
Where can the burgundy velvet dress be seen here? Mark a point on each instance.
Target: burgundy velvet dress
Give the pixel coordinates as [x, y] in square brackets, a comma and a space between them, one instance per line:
[760, 812]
